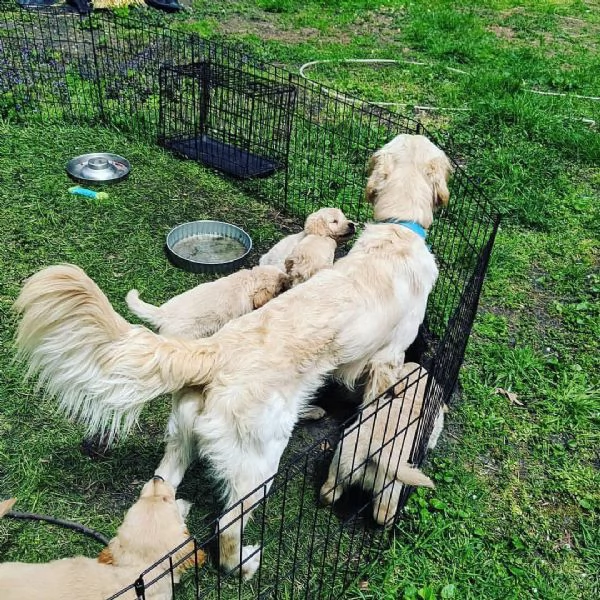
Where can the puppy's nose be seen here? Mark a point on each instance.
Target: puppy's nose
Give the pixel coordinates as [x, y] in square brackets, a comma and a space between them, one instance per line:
[352, 227]
[158, 477]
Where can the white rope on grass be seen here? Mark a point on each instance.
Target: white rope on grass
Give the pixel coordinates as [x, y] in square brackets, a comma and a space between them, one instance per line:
[379, 61]
[532, 91]
[367, 61]
[373, 61]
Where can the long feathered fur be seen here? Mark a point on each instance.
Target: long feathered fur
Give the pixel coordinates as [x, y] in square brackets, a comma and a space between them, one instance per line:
[101, 368]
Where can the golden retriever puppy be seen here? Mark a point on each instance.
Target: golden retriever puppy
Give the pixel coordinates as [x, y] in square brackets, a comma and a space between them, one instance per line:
[312, 254]
[373, 452]
[201, 311]
[152, 527]
[330, 223]
[258, 372]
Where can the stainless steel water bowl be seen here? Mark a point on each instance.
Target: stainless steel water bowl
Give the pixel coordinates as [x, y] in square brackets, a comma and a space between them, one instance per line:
[208, 246]
[99, 167]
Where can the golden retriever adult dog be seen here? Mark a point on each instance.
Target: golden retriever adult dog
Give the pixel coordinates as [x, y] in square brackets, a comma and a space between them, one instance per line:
[324, 228]
[204, 309]
[258, 372]
[152, 527]
[374, 451]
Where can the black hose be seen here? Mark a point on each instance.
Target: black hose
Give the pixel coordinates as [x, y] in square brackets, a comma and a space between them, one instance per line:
[68, 524]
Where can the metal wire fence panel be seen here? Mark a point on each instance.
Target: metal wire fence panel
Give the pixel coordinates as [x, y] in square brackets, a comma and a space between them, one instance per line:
[299, 147]
[226, 118]
[47, 77]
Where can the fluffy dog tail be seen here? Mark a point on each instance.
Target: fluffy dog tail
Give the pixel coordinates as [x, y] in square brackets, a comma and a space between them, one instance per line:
[413, 476]
[101, 368]
[146, 312]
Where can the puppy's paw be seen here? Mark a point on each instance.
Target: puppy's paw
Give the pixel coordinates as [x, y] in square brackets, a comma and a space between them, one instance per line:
[329, 493]
[383, 519]
[313, 413]
[384, 514]
[250, 561]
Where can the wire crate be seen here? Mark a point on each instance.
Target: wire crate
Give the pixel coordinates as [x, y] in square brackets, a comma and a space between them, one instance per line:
[217, 104]
[226, 118]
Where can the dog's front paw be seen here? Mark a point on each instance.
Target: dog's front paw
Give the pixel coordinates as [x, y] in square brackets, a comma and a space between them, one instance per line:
[330, 493]
[250, 561]
[313, 413]
[384, 513]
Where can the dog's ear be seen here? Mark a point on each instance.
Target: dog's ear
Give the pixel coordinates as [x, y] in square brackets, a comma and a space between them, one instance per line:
[184, 507]
[106, 556]
[262, 296]
[190, 562]
[316, 224]
[289, 264]
[379, 168]
[6, 505]
[270, 288]
[438, 171]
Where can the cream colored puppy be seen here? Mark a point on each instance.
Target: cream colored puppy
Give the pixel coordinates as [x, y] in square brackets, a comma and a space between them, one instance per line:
[259, 372]
[329, 223]
[311, 255]
[152, 527]
[373, 452]
[201, 311]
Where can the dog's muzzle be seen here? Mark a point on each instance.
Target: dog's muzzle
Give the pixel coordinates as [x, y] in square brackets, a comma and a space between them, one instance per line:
[349, 232]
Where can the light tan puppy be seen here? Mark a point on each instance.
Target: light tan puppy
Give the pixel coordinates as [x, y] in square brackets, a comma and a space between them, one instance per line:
[311, 255]
[328, 223]
[259, 371]
[373, 452]
[152, 527]
[201, 311]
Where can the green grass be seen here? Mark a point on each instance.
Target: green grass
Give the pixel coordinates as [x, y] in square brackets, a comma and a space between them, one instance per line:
[119, 242]
[516, 509]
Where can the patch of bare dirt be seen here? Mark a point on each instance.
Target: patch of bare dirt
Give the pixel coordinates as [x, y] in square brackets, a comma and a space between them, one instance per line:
[504, 33]
[383, 22]
[287, 224]
[579, 28]
[570, 30]
[268, 29]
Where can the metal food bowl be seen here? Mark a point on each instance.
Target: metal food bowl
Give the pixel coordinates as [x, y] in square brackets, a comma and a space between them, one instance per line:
[208, 246]
[98, 167]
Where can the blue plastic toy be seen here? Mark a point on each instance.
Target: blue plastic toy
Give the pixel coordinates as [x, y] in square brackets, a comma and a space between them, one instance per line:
[79, 191]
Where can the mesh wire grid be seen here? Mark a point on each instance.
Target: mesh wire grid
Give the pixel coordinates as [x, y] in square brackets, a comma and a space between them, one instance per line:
[147, 81]
[236, 122]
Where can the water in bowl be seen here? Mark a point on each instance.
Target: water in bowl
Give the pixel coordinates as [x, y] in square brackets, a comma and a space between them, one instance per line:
[209, 249]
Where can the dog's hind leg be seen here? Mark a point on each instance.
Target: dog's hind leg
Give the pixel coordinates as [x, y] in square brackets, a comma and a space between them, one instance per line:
[312, 413]
[180, 450]
[386, 494]
[438, 426]
[247, 487]
[383, 372]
